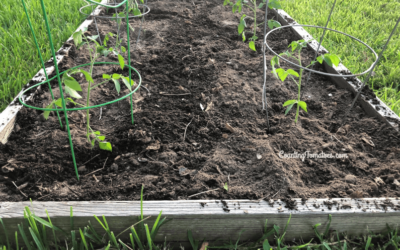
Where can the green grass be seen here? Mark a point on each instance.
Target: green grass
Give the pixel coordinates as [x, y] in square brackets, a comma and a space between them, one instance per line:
[368, 20]
[41, 233]
[19, 60]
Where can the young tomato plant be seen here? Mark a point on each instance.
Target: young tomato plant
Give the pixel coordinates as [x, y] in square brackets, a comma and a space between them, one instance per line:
[252, 5]
[72, 86]
[282, 74]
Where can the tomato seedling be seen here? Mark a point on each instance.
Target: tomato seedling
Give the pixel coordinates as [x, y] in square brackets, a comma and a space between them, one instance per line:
[282, 74]
[72, 86]
[252, 5]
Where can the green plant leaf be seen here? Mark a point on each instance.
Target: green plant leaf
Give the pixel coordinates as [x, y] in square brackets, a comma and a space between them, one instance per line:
[72, 92]
[97, 133]
[71, 83]
[320, 59]
[252, 45]
[93, 142]
[105, 146]
[101, 137]
[116, 76]
[94, 38]
[106, 76]
[254, 38]
[234, 8]
[123, 49]
[77, 37]
[226, 2]
[260, 5]
[240, 28]
[288, 109]
[125, 80]
[226, 186]
[244, 36]
[121, 61]
[47, 113]
[334, 59]
[272, 24]
[87, 76]
[117, 85]
[282, 74]
[58, 102]
[294, 45]
[292, 72]
[136, 12]
[289, 102]
[274, 4]
[275, 61]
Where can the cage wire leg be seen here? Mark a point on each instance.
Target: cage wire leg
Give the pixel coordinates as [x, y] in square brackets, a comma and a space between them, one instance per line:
[41, 59]
[264, 93]
[373, 67]
[129, 55]
[140, 29]
[64, 108]
[117, 18]
[320, 41]
[97, 29]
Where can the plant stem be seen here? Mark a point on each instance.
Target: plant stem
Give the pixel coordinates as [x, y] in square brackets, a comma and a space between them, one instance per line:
[299, 89]
[255, 17]
[94, 86]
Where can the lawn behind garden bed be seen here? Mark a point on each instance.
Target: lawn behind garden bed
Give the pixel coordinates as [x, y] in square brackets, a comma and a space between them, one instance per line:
[368, 20]
[19, 60]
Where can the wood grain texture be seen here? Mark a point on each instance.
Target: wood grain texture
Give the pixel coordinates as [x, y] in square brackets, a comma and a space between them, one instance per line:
[7, 117]
[213, 221]
[379, 110]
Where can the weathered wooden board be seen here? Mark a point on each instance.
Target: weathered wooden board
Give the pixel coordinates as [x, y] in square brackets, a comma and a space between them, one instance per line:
[379, 110]
[211, 220]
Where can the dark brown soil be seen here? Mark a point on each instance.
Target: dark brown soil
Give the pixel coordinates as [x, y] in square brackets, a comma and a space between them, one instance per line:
[190, 55]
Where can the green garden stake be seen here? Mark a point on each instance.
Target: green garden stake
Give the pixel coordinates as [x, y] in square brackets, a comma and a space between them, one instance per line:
[129, 54]
[64, 108]
[41, 58]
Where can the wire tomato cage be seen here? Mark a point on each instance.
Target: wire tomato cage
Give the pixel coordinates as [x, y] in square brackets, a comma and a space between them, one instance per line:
[63, 108]
[310, 70]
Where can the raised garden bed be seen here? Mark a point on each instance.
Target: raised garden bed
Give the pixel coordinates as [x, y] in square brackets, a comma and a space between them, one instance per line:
[190, 57]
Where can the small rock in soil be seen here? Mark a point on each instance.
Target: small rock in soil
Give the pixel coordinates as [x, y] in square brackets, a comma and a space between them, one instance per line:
[350, 178]
[82, 169]
[168, 155]
[17, 128]
[259, 156]
[134, 162]
[142, 160]
[114, 167]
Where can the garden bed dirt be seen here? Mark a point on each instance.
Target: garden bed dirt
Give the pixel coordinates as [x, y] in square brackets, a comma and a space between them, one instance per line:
[189, 56]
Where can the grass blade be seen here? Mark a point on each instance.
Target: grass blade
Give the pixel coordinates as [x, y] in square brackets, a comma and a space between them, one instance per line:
[5, 232]
[37, 240]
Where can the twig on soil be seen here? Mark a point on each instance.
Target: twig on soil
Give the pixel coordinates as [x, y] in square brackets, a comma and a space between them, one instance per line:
[163, 93]
[270, 197]
[203, 192]
[43, 196]
[97, 169]
[338, 140]
[73, 191]
[91, 159]
[101, 111]
[19, 190]
[184, 135]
